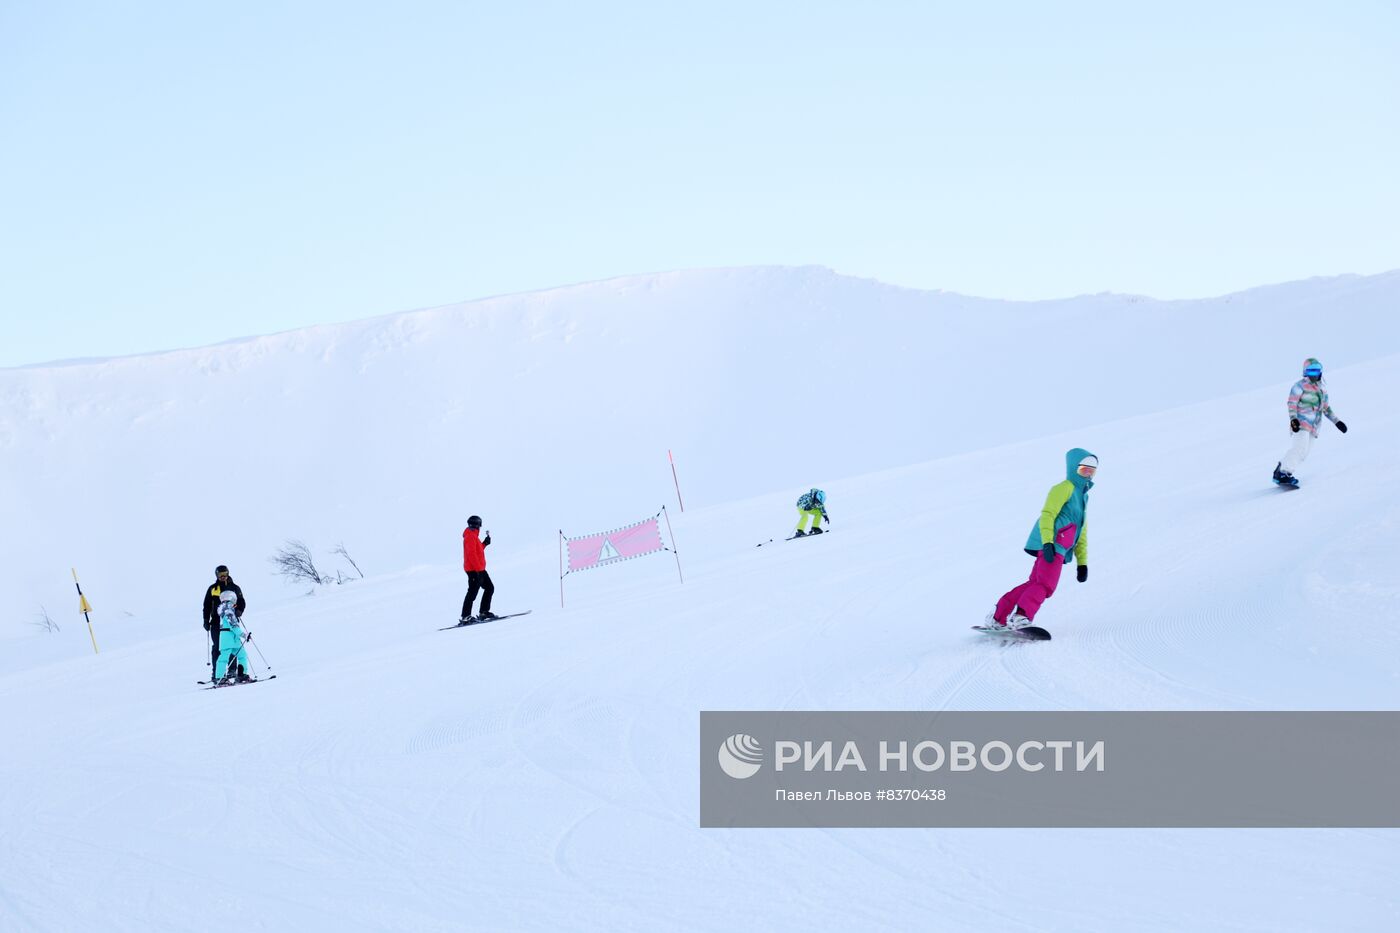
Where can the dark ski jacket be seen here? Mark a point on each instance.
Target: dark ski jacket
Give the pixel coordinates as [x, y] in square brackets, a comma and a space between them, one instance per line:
[813, 501]
[211, 601]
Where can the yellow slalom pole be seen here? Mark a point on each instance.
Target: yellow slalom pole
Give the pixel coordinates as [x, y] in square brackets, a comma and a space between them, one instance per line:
[84, 607]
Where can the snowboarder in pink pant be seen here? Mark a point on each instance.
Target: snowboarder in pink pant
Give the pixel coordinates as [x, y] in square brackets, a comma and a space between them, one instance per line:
[1058, 534]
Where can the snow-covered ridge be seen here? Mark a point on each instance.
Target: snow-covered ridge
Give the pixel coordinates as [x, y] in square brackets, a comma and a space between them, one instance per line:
[1286, 294]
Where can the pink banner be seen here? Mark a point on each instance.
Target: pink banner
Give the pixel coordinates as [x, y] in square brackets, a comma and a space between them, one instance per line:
[612, 546]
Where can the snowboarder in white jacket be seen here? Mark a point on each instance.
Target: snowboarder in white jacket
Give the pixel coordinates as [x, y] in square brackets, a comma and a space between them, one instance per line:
[1307, 406]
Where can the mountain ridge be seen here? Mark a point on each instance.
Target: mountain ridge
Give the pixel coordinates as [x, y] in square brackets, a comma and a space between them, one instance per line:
[646, 277]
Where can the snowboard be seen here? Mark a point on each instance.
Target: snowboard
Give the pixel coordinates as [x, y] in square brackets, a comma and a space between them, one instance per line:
[212, 685]
[1282, 485]
[1029, 633]
[509, 615]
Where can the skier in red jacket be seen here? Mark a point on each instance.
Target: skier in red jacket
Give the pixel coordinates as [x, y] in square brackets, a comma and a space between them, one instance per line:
[474, 563]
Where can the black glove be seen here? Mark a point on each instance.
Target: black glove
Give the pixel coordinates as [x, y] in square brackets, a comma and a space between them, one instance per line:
[827, 518]
[1293, 424]
[1048, 553]
[1342, 426]
[488, 539]
[1081, 573]
[206, 625]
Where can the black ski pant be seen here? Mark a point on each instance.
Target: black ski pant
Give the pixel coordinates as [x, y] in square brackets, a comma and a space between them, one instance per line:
[480, 581]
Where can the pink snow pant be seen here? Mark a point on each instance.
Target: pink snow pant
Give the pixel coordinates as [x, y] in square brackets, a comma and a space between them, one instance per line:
[1029, 595]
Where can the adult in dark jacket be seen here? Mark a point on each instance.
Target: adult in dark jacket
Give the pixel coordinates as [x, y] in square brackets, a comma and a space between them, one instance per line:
[478, 580]
[222, 583]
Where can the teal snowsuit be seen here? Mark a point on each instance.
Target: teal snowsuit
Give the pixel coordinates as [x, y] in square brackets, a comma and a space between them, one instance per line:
[231, 650]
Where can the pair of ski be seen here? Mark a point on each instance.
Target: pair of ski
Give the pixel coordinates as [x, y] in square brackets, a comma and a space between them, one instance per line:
[511, 615]
[216, 684]
[809, 534]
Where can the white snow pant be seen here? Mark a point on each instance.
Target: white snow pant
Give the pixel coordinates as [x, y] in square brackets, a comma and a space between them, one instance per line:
[1302, 443]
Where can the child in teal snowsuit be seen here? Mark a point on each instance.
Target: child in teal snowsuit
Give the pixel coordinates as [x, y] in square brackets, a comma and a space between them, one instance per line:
[1055, 536]
[233, 657]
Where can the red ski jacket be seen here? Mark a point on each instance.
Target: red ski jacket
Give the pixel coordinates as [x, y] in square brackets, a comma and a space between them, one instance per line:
[473, 551]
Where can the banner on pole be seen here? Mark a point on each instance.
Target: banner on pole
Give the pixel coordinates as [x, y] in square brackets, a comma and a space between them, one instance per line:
[611, 547]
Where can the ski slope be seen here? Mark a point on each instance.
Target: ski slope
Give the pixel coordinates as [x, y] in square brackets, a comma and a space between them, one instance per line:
[541, 773]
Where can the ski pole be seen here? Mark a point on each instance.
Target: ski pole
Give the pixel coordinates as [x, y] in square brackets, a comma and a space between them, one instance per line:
[215, 633]
[253, 668]
[248, 637]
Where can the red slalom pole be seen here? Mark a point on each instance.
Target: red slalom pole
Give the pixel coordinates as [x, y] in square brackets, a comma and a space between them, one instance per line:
[677, 480]
[673, 543]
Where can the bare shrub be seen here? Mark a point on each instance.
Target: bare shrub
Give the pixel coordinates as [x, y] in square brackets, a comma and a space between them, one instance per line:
[294, 561]
[339, 549]
[45, 621]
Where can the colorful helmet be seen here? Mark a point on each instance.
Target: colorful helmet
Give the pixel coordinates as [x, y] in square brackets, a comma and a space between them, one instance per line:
[474, 521]
[1312, 368]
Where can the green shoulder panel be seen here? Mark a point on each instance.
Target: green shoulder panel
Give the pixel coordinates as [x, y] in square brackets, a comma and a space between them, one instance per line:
[1059, 495]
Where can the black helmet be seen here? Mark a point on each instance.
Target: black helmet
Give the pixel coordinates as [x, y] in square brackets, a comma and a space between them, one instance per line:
[222, 568]
[474, 521]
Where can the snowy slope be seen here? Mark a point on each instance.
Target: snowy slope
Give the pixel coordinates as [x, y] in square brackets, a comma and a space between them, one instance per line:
[555, 410]
[541, 773]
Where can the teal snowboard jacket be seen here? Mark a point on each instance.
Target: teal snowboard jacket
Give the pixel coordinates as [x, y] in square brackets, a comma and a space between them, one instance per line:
[1063, 518]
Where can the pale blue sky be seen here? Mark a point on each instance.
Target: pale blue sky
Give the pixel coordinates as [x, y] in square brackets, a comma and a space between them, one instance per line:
[177, 173]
